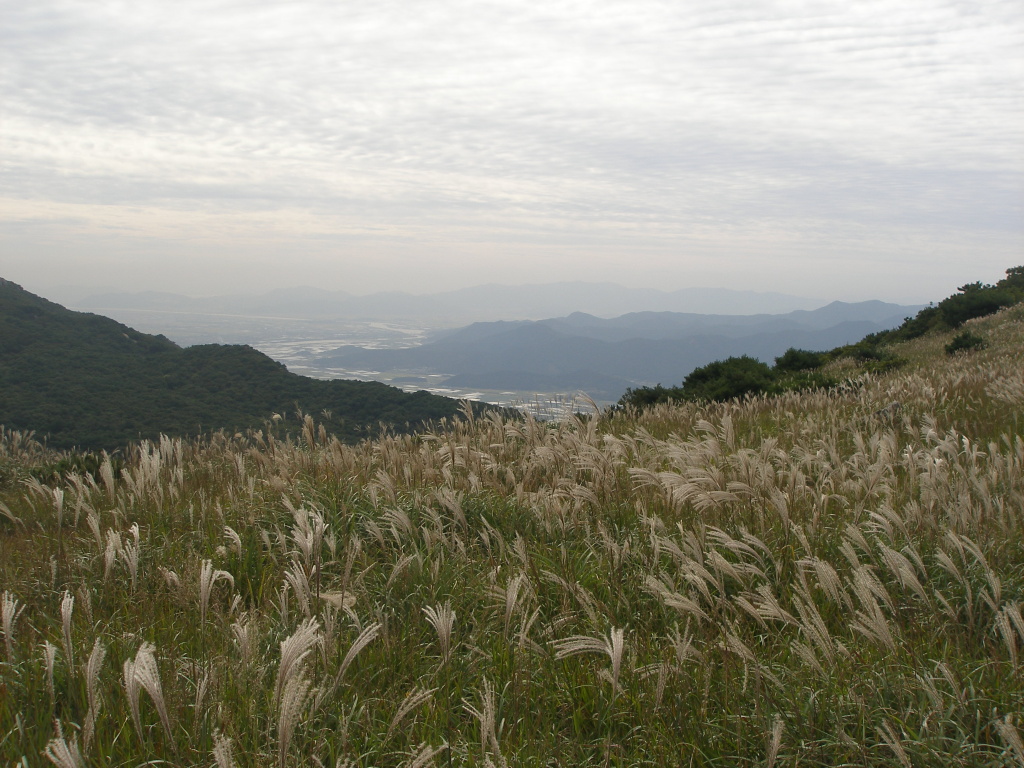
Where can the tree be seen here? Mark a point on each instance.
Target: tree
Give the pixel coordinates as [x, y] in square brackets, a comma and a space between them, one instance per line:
[725, 379]
[793, 360]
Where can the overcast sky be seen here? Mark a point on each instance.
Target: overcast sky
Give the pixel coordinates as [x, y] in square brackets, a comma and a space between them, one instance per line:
[833, 149]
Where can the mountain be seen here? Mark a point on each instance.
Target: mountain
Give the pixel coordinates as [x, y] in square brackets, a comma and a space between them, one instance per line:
[86, 380]
[605, 356]
[478, 303]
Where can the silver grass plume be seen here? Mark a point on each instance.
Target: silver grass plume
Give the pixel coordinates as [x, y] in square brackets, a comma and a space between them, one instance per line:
[58, 505]
[49, 657]
[110, 554]
[424, 755]
[202, 686]
[245, 638]
[235, 540]
[208, 577]
[442, 619]
[1010, 624]
[297, 579]
[6, 512]
[64, 754]
[293, 702]
[413, 699]
[92, 676]
[292, 688]
[171, 579]
[362, 640]
[888, 734]
[776, 741]
[130, 555]
[107, 475]
[1011, 737]
[67, 607]
[9, 612]
[142, 673]
[93, 521]
[486, 715]
[612, 647]
[222, 751]
[294, 650]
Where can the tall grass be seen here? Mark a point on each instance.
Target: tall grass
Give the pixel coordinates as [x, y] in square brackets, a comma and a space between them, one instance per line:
[818, 578]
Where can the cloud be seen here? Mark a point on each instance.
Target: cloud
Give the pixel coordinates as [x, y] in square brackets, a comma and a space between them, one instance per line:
[555, 125]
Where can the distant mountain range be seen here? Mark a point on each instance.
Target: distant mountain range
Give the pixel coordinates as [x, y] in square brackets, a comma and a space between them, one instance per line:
[603, 357]
[598, 338]
[85, 380]
[479, 303]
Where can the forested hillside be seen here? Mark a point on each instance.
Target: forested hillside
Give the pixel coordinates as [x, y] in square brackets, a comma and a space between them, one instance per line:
[79, 379]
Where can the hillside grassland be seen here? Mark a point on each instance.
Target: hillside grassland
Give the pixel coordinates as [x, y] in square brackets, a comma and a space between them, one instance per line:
[822, 578]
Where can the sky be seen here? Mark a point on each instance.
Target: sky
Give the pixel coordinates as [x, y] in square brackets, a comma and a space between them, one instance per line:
[830, 149]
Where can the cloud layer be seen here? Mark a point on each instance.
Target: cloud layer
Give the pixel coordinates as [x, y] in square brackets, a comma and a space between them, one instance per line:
[814, 146]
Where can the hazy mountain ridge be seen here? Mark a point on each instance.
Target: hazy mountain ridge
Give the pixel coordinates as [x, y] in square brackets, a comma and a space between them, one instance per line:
[605, 356]
[478, 303]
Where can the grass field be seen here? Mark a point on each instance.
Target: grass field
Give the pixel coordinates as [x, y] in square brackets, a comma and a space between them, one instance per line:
[818, 579]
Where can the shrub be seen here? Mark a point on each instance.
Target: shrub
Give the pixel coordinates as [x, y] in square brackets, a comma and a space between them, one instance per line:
[644, 397]
[799, 360]
[965, 341]
[729, 378]
[974, 300]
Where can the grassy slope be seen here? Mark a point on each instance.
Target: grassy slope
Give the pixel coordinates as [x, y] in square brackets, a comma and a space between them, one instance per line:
[85, 380]
[813, 579]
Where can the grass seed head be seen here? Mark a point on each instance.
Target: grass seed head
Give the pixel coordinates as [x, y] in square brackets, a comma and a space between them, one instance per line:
[10, 610]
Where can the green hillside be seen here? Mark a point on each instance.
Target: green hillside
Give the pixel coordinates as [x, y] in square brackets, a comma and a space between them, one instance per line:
[801, 369]
[84, 380]
[828, 577]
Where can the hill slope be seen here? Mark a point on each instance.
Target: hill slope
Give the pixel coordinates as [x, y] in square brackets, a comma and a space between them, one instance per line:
[815, 579]
[85, 380]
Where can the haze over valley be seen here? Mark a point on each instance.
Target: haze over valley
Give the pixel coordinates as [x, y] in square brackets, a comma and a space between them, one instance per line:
[531, 344]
